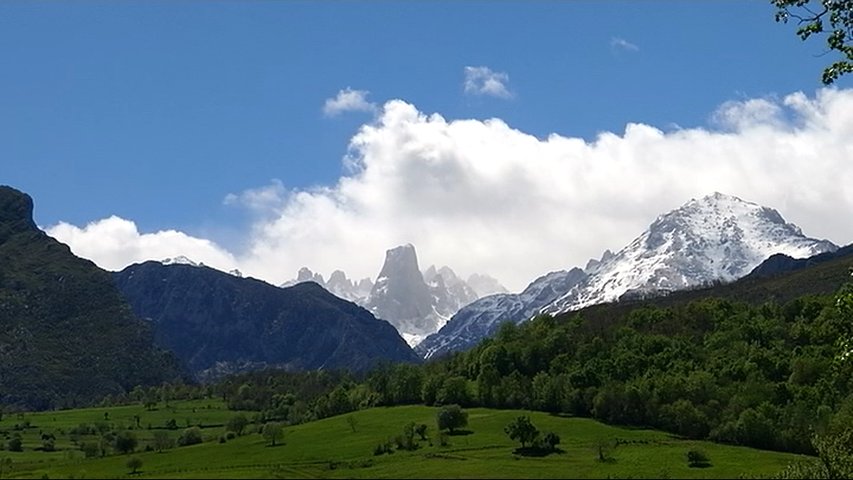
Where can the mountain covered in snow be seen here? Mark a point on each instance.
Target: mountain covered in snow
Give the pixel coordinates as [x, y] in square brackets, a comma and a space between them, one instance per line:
[482, 318]
[711, 239]
[718, 238]
[416, 302]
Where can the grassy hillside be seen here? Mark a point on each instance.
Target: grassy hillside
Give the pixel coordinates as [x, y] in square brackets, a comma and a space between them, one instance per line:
[343, 447]
[67, 337]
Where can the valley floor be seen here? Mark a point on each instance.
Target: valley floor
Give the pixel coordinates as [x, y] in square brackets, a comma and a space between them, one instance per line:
[343, 447]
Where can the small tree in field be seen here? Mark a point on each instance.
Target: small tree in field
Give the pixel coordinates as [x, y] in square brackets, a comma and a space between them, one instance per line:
[190, 436]
[451, 417]
[522, 430]
[352, 422]
[237, 424]
[134, 464]
[125, 442]
[162, 441]
[272, 432]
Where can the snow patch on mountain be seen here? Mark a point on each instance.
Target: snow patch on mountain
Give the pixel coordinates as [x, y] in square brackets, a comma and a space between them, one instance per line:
[482, 318]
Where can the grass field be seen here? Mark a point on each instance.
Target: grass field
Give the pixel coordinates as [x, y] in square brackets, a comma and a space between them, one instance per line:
[332, 448]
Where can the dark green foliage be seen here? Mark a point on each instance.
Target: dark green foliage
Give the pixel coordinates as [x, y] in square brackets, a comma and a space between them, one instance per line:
[90, 449]
[697, 459]
[451, 417]
[272, 432]
[522, 430]
[548, 442]
[834, 457]
[817, 17]
[125, 442]
[237, 424]
[383, 448]
[134, 464]
[406, 441]
[190, 436]
[353, 423]
[421, 431]
[604, 450]
[68, 336]
[16, 444]
[48, 442]
[162, 440]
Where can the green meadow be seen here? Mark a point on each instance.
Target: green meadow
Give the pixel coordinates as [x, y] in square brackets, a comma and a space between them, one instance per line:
[343, 447]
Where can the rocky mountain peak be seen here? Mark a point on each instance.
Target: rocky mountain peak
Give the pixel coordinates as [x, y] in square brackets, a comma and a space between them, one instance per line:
[16, 211]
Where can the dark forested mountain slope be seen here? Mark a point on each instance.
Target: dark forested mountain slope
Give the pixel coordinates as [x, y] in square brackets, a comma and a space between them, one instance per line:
[218, 323]
[67, 337]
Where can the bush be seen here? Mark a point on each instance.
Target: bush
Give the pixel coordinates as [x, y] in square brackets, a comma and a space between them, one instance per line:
[237, 423]
[125, 442]
[383, 448]
[697, 458]
[162, 441]
[548, 442]
[16, 444]
[190, 436]
[90, 449]
[451, 417]
[230, 436]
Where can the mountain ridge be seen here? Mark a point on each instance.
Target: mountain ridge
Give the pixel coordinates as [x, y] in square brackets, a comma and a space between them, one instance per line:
[67, 336]
[219, 324]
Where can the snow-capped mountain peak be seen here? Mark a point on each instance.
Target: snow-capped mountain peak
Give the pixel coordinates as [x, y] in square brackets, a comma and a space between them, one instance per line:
[714, 238]
[180, 260]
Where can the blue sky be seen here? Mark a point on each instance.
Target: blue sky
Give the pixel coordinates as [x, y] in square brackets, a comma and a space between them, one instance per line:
[157, 111]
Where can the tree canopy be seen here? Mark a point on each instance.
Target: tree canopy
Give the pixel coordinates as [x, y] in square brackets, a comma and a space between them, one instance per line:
[816, 17]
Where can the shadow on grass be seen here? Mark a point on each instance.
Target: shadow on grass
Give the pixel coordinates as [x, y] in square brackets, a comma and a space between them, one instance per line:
[699, 464]
[536, 452]
[460, 433]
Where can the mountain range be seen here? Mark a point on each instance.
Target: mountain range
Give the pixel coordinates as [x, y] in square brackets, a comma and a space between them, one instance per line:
[416, 303]
[717, 238]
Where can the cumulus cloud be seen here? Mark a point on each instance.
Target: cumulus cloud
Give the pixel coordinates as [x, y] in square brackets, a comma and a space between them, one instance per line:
[484, 197]
[617, 43]
[483, 81]
[113, 243]
[348, 100]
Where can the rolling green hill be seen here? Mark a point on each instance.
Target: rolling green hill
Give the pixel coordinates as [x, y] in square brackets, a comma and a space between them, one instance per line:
[343, 447]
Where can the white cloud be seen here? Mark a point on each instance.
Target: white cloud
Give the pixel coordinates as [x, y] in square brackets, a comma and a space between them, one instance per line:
[348, 100]
[264, 199]
[113, 243]
[484, 197]
[617, 43]
[483, 81]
